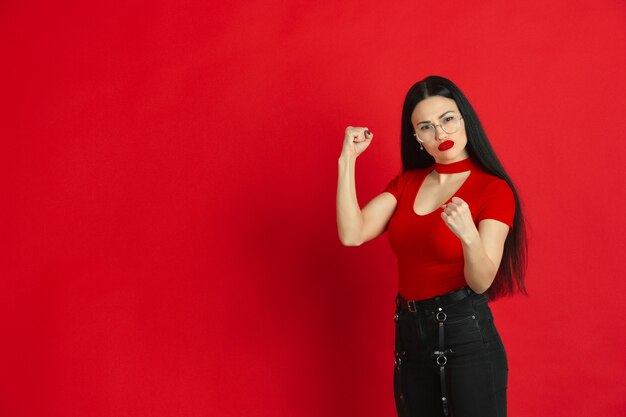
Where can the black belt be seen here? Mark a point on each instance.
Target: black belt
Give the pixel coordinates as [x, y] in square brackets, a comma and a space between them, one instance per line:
[430, 304]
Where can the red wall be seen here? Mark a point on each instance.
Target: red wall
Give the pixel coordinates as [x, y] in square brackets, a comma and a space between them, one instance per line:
[169, 245]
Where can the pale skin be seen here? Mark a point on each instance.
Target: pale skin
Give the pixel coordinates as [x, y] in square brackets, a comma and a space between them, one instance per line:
[482, 246]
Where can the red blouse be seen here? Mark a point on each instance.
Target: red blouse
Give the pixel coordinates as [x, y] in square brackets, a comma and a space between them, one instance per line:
[430, 256]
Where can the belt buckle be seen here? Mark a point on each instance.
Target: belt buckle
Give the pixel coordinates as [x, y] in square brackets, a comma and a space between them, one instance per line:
[412, 307]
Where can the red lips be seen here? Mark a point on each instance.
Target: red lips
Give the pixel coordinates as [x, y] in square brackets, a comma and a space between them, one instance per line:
[445, 145]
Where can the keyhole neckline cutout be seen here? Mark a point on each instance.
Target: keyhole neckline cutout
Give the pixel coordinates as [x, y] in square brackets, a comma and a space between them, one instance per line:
[453, 168]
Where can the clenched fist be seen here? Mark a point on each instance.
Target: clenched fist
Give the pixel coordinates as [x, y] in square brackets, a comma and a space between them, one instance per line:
[458, 218]
[356, 140]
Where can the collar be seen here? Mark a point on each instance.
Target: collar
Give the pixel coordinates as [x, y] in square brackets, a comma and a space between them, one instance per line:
[455, 167]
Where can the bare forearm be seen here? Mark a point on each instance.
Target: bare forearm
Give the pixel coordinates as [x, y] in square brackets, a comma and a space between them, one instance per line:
[349, 216]
[479, 268]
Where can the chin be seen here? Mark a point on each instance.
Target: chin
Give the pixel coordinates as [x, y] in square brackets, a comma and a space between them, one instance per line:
[451, 154]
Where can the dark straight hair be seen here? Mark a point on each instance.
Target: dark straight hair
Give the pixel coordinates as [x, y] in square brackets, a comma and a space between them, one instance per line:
[510, 276]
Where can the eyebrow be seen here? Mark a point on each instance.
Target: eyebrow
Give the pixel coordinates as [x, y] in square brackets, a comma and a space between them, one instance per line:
[427, 121]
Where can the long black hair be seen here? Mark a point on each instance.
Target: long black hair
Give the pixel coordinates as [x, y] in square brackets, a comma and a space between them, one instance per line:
[510, 276]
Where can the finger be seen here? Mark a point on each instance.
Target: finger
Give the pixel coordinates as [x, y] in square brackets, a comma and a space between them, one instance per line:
[461, 205]
[446, 219]
[352, 129]
[364, 134]
[358, 134]
[454, 210]
[458, 200]
[457, 204]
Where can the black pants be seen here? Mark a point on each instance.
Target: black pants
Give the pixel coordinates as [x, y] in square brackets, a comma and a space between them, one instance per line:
[476, 370]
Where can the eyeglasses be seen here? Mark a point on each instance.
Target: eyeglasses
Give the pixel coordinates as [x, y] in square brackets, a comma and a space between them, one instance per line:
[426, 132]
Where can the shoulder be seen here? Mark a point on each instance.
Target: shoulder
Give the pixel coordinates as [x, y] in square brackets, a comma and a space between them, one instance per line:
[496, 200]
[490, 184]
[400, 181]
[498, 188]
[412, 175]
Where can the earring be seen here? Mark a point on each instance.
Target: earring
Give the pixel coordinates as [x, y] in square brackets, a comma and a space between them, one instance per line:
[418, 141]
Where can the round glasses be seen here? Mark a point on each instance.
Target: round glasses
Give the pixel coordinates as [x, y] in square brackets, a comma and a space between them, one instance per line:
[426, 132]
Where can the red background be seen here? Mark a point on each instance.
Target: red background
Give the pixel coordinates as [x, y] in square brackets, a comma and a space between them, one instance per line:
[168, 183]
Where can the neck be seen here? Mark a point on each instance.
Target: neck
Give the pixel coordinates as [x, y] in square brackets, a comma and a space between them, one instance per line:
[455, 167]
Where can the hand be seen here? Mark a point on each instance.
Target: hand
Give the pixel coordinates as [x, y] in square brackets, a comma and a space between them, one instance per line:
[457, 216]
[356, 140]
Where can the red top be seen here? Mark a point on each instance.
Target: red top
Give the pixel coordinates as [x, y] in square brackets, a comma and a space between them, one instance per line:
[430, 256]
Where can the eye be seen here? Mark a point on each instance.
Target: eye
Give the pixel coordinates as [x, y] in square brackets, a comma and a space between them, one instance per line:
[424, 128]
[448, 119]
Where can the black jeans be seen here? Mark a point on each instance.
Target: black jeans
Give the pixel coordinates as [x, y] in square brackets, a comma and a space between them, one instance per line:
[476, 371]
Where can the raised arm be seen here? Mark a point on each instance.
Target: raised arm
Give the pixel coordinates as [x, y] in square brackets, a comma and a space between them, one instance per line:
[356, 225]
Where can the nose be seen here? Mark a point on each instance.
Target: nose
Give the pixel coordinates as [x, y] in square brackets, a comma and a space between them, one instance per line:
[440, 133]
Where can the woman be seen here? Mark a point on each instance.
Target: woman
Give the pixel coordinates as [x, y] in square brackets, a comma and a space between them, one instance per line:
[456, 226]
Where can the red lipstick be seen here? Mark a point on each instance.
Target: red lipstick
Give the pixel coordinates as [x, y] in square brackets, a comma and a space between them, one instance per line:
[445, 145]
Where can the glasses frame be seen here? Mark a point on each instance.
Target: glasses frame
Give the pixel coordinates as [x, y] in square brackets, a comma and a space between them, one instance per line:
[442, 128]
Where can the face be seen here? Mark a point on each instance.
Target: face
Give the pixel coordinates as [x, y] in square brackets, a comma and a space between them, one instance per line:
[440, 111]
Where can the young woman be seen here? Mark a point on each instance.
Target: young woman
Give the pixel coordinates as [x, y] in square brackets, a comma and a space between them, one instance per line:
[455, 223]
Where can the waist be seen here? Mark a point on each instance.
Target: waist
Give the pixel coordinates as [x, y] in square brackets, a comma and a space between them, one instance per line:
[433, 303]
[429, 281]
